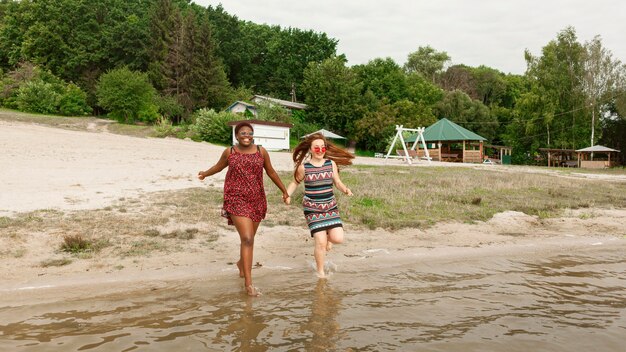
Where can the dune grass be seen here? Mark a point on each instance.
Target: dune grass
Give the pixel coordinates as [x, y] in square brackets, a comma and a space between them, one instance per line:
[400, 197]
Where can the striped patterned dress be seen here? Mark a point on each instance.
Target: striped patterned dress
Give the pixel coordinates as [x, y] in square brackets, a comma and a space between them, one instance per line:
[319, 203]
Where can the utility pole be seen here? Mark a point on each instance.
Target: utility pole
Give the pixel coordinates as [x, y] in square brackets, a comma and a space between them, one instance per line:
[293, 92]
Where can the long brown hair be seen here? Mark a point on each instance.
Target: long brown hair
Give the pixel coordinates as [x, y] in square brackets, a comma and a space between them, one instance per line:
[334, 153]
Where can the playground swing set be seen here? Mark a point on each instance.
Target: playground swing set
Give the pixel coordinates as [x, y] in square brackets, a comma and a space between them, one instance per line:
[410, 153]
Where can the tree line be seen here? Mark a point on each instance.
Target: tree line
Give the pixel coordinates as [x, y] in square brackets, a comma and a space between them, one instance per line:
[173, 61]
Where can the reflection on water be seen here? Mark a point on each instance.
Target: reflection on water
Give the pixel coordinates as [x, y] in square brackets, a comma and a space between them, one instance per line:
[568, 303]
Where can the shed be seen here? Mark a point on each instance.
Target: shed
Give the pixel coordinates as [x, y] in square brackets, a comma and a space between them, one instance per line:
[446, 135]
[240, 107]
[559, 157]
[269, 134]
[587, 158]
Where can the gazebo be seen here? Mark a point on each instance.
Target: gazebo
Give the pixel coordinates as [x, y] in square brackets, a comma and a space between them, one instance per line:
[585, 159]
[560, 157]
[325, 133]
[447, 137]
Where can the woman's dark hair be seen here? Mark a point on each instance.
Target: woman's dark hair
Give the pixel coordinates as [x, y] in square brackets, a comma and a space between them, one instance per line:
[336, 154]
[243, 124]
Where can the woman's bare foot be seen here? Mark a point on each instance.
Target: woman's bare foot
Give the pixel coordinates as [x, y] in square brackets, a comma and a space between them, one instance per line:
[253, 291]
[321, 275]
[240, 268]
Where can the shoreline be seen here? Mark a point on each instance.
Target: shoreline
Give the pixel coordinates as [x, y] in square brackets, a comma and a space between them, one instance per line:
[154, 273]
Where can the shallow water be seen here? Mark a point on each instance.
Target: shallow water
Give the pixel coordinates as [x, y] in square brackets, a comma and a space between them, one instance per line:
[563, 302]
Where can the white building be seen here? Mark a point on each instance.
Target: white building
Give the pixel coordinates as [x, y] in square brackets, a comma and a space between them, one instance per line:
[269, 134]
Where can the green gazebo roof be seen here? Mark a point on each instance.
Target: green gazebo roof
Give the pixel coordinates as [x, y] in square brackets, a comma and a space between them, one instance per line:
[446, 130]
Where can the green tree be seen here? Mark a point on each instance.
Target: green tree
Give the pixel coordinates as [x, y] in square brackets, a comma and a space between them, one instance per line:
[332, 94]
[207, 79]
[427, 62]
[422, 91]
[471, 114]
[127, 95]
[374, 130]
[601, 80]
[384, 78]
[231, 48]
[556, 77]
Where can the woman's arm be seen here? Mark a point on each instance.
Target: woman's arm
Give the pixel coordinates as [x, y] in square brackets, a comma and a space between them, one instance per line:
[219, 166]
[299, 176]
[340, 186]
[269, 169]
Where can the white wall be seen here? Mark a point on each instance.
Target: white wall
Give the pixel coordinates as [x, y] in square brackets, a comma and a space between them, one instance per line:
[270, 137]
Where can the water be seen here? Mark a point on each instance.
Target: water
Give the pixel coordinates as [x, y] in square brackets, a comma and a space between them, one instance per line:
[573, 301]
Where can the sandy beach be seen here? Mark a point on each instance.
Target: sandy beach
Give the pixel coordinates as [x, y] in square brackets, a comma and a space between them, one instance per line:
[67, 171]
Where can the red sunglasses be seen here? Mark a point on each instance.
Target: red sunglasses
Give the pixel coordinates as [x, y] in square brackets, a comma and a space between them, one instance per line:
[319, 149]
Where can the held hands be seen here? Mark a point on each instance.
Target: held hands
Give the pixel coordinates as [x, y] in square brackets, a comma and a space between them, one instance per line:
[286, 198]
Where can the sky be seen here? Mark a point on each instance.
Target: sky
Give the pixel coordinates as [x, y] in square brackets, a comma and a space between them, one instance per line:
[493, 33]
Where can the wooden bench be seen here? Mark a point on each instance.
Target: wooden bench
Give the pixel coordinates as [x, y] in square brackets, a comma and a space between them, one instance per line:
[449, 157]
[570, 163]
[412, 153]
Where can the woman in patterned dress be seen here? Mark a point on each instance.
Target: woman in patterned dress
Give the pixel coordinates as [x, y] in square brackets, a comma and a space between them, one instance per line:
[244, 196]
[319, 173]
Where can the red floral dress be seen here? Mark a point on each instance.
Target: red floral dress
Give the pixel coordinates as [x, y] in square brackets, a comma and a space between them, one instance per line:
[244, 194]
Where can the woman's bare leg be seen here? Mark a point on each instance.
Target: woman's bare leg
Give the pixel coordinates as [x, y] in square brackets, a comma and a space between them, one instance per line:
[335, 236]
[321, 241]
[247, 230]
[240, 262]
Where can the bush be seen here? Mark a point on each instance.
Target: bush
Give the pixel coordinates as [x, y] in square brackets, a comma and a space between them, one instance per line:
[127, 95]
[213, 126]
[74, 102]
[164, 127]
[75, 244]
[170, 108]
[37, 96]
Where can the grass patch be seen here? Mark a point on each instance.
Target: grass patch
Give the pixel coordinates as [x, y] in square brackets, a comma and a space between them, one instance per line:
[143, 248]
[55, 262]
[396, 197]
[75, 244]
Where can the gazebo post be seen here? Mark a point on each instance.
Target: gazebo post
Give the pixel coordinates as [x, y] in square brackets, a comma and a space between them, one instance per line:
[481, 150]
[548, 158]
[439, 146]
[464, 150]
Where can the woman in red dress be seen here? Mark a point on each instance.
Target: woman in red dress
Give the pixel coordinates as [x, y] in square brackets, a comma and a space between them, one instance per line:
[244, 196]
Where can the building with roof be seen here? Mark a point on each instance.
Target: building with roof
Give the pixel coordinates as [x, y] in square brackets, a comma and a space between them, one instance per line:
[596, 157]
[269, 134]
[291, 105]
[450, 142]
[241, 107]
